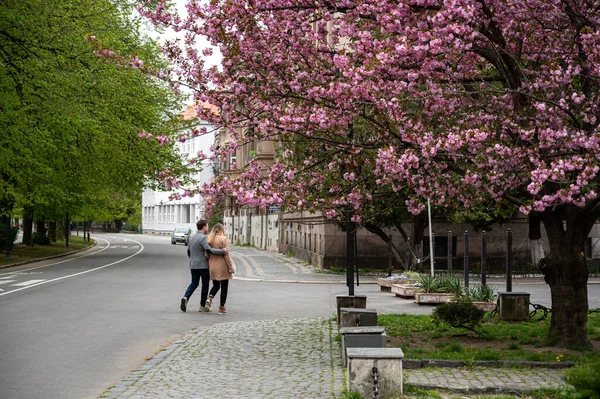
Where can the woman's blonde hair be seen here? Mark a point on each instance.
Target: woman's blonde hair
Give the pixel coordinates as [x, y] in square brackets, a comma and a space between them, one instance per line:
[217, 230]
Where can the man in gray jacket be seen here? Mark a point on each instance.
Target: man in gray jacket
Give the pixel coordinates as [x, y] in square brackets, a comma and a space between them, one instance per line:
[197, 248]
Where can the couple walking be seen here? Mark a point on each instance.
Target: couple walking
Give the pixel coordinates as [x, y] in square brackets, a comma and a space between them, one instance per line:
[209, 259]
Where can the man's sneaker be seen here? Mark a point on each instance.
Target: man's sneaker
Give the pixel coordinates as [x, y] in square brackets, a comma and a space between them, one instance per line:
[222, 310]
[183, 305]
[204, 308]
[208, 303]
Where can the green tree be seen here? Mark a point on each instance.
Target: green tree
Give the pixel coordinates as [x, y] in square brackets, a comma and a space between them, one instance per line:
[69, 119]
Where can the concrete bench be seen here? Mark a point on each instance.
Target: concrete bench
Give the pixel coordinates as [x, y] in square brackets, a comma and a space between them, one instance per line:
[355, 317]
[361, 337]
[375, 367]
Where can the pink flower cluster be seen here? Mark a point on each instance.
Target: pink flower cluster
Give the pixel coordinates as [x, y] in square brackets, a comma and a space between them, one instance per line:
[456, 101]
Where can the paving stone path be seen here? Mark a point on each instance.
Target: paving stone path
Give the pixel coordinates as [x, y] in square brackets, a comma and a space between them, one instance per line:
[292, 358]
[289, 358]
[285, 358]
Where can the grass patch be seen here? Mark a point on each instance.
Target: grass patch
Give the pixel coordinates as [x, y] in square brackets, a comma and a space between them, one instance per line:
[22, 253]
[420, 393]
[420, 338]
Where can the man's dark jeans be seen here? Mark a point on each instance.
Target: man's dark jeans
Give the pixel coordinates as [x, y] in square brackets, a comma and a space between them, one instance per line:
[198, 274]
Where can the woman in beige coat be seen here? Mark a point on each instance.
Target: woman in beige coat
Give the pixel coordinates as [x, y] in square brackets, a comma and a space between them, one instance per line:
[220, 267]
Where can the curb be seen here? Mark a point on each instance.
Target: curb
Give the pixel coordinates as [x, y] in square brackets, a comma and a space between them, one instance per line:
[265, 280]
[475, 390]
[413, 364]
[48, 257]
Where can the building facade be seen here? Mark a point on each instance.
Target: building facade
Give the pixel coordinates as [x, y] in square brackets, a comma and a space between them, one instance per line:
[160, 214]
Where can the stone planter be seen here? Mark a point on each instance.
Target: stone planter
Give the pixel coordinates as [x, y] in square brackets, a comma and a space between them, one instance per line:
[432, 298]
[386, 284]
[404, 291]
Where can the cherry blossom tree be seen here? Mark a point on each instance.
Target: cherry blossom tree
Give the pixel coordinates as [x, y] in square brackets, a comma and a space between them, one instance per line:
[458, 102]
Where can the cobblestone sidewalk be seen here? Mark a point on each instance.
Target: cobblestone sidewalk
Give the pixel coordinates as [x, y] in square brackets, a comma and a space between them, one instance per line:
[284, 358]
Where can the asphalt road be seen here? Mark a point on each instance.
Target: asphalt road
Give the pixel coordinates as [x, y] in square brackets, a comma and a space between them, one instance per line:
[72, 327]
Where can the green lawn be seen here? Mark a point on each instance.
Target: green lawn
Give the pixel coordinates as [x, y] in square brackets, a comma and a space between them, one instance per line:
[21, 253]
[420, 338]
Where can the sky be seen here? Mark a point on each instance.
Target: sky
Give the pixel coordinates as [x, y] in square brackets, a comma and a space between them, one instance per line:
[161, 37]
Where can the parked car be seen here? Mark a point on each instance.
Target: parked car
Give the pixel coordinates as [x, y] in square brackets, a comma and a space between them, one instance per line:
[180, 234]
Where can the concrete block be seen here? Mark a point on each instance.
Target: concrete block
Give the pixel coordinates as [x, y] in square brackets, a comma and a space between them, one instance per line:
[353, 317]
[361, 337]
[350, 301]
[514, 306]
[366, 364]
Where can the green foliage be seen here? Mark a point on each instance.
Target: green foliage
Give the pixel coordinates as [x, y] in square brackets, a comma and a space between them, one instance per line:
[483, 216]
[442, 283]
[429, 283]
[22, 253]
[70, 120]
[585, 380]
[40, 238]
[482, 293]
[420, 338]
[459, 314]
[450, 283]
[351, 395]
[11, 237]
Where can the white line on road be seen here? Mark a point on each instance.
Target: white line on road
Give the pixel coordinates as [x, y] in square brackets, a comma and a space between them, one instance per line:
[7, 281]
[56, 263]
[80, 273]
[26, 283]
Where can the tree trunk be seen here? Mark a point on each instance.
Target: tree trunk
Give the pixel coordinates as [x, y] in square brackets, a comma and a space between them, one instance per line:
[415, 245]
[7, 223]
[27, 225]
[390, 257]
[420, 223]
[67, 228]
[373, 228]
[40, 226]
[565, 270]
[52, 231]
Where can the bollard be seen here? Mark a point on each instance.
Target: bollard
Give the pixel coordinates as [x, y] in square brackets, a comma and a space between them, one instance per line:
[449, 252]
[483, 258]
[466, 259]
[508, 260]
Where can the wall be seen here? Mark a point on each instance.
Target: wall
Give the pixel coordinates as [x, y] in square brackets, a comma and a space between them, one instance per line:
[322, 243]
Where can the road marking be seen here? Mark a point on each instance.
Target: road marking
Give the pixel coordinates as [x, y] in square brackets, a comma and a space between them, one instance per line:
[57, 263]
[7, 281]
[26, 283]
[80, 273]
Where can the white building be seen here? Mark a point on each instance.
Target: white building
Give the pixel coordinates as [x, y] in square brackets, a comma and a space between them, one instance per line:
[161, 214]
